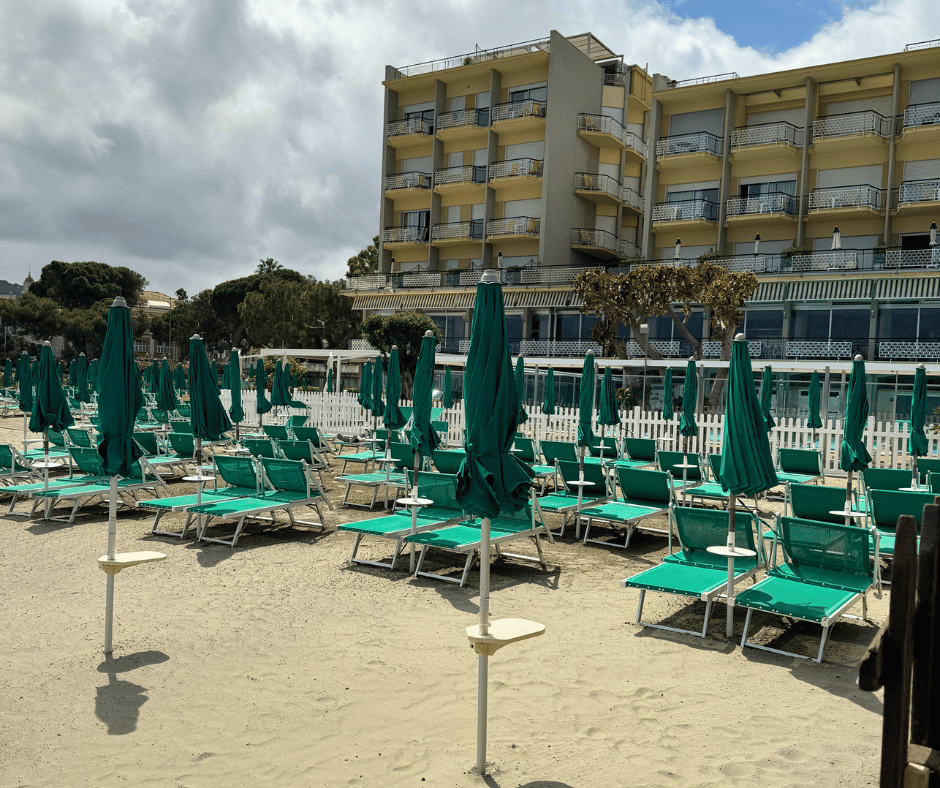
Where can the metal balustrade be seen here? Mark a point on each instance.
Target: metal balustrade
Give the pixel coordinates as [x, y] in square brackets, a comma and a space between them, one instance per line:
[776, 202]
[935, 42]
[447, 231]
[865, 122]
[516, 168]
[513, 110]
[921, 115]
[405, 234]
[781, 133]
[913, 258]
[559, 347]
[712, 348]
[362, 344]
[911, 351]
[837, 259]
[597, 239]
[699, 142]
[755, 264]
[627, 249]
[604, 124]
[919, 191]
[685, 210]
[464, 118]
[801, 348]
[513, 225]
[702, 80]
[397, 128]
[595, 182]
[859, 196]
[367, 282]
[668, 348]
[469, 174]
[471, 276]
[477, 56]
[408, 180]
[629, 197]
[429, 279]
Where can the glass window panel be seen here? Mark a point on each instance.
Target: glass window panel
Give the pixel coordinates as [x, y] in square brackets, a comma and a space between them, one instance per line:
[513, 327]
[587, 326]
[567, 326]
[897, 323]
[763, 324]
[850, 323]
[810, 324]
[929, 324]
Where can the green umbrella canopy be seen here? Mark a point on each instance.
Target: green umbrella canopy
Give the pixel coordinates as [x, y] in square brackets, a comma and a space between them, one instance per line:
[60, 369]
[854, 455]
[81, 379]
[814, 421]
[364, 396]
[608, 412]
[235, 387]
[225, 379]
[50, 408]
[422, 436]
[165, 395]
[747, 467]
[329, 380]
[687, 425]
[519, 377]
[667, 394]
[7, 374]
[766, 396]
[548, 403]
[448, 399]
[24, 377]
[93, 375]
[917, 442]
[288, 384]
[393, 419]
[120, 399]
[179, 377]
[378, 408]
[72, 372]
[207, 416]
[280, 395]
[34, 372]
[490, 479]
[262, 403]
[586, 402]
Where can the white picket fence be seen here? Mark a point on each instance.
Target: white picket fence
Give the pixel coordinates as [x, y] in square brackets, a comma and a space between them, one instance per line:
[887, 441]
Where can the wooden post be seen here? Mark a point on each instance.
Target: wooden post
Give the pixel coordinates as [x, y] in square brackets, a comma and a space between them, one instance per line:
[925, 710]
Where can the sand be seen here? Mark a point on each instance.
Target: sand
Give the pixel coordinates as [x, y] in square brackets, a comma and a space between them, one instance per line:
[280, 664]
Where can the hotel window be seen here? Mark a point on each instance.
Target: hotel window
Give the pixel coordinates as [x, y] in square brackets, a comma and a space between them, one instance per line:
[909, 323]
[823, 323]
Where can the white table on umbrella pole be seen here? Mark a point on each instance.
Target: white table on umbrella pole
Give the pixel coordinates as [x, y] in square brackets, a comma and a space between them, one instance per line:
[730, 552]
[45, 466]
[414, 503]
[200, 480]
[686, 467]
[580, 484]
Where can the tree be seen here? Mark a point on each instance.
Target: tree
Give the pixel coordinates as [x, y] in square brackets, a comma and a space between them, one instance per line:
[195, 316]
[30, 314]
[181, 295]
[406, 330]
[226, 297]
[366, 262]
[268, 266]
[82, 285]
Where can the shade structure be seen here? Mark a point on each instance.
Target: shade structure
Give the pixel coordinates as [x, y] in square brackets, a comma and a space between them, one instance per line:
[364, 397]
[235, 387]
[448, 399]
[34, 373]
[280, 395]
[814, 421]
[81, 379]
[7, 374]
[262, 403]
[548, 400]
[207, 415]
[687, 425]
[853, 455]
[72, 373]
[766, 398]
[24, 378]
[378, 407]
[667, 395]
[179, 377]
[917, 441]
[329, 380]
[93, 375]
[422, 436]
[50, 408]
[165, 394]
[520, 388]
[586, 402]
[288, 384]
[393, 418]
[608, 412]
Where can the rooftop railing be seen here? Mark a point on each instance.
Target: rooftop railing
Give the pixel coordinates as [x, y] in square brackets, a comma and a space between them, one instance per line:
[849, 123]
[516, 168]
[702, 80]
[469, 174]
[464, 118]
[923, 45]
[858, 196]
[514, 110]
[685, 211]
[478, 56]
[408, 180]
[604, 124]
[781, 133]
[921, 115]
[698, 142]
[776, 202]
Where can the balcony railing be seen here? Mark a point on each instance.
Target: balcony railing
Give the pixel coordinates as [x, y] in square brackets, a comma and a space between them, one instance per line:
[632, 198]
[702, 80]
[469, 174]
[513, 110]
[516, 168]
[776, 202]
[699, 142]
[781, 133]
[919, 191]
[477, 56]
[865, 122]
[859, 196]
[755, 264]
[408, 180]
[367, 282]
[627, 249]
[397, 128]
[405, 234]
[452, 231]
[514, 225]
[592, 182]
[913, 258]
[922, 115]
[836, 260]
[464, 118]
[934, 42]
[607, 125]
[596, 239]
[685, 211]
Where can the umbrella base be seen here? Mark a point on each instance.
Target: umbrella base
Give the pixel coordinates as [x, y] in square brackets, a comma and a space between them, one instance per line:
[503, 632]
[123, 560]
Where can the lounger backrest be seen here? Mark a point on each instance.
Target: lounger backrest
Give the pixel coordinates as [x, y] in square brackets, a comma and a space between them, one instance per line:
[440, 488]
[402, 454]
[259, 447]
[184, 410]
[287, 475]
[182, 426]
[886, 478]
[448, 461]
[87, 460]
[830, 546]
[593, 473]
[298, 450]
[640, 484]
[238, 471]
[640, 449]
[381, 434]
[604, 447]
[297, 421]
[926, 465]
[56, 438]
[559, 450]
[516, 520]
[311, 434]
[183, 443]
[814, 502]
[668, 460]
[886, 506]
[699, 529]
[275, 431]
[805, 461]
[147, 442]
[440, 427]
[525, 448]
[10, 461]
[78, 437]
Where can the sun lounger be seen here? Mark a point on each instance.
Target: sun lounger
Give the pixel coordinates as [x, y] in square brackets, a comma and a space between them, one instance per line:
[815, 502]
[377, 480]
[260, 447]
[803, 466]
[526, 450]
[306, 451]
[669, 461]
[276, 431]
[448, 460]
[313, 435]
[886, 506]
[694, 572]
[567, 501]
[646, 494]
[827, 571]
[638, 453]
[156, 454]
[606, 448]
[14, 466]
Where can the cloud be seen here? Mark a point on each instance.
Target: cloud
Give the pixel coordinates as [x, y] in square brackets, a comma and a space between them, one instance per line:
[188, 139]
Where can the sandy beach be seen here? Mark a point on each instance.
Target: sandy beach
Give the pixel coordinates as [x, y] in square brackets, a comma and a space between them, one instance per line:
[278, 663]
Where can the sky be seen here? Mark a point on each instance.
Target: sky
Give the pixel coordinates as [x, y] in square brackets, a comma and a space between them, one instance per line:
[189, 139]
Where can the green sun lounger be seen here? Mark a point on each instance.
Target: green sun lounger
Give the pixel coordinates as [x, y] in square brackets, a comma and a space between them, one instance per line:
[801, 466]
[13, 465]
[886, 506]
[645, 493]
[377, 480]
[566, 502]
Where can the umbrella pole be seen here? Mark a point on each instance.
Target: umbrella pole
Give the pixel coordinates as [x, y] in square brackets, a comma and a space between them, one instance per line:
[848, 498]
[112, 538]
[685, 462]
[483, 659]
[25, 422]
[729, 591]
[414, 511]
[914, 480]
[577, 519]
[45, 459]
[388, 454]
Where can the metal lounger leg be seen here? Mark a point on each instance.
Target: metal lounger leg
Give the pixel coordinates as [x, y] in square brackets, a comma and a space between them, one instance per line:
[639, 607]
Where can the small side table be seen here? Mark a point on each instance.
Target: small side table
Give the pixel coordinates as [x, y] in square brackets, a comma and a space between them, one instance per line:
[200, 481]
[847, 513]
[502, 632]
[730, 552]
[414, 504]
[580, 483]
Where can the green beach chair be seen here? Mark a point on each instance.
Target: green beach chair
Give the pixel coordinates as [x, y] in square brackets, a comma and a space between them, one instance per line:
[646, 494]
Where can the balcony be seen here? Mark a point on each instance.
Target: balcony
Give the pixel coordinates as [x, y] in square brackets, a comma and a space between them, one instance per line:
[627, 250]
[597, 188]
[524, 115]
[513, 227]
[478, 56]
[836, 260]
[515, 178]
[752, 142]
[409, 133]
[699, 145]
[918, 196]
[460, 181]
[408, 182]
[748, 263]
[603, 131]
[463, 124]
[405, 235]
[852, 124]
[598, 243]
[686, 211]
[456, 233]
[845, 199]
[912, 258]
[765, 208]
[917, 116]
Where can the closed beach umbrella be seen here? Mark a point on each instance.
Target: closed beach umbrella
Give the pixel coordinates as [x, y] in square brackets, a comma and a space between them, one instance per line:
[586, 404]
[93, 375]
[448, 399]
[853, 455]
[207, 415]
[81, 378]
[548, 403]
[60, 369]
[329, 380]
[50, 408]
[165, 395]
[7, 374]
[747, 467]
[289, 385]
[687, 426]
[72, 373]
[364, 397]
[608, 413]
[422, 436]
[667, 395]
[262, 403]
[378, 408]
[814, 422]
[24, 377]
[490, 480]
[280, 396]
[235, 387]
[34, 373]
[393, 418]
[917, 443]
[766, 396]
[520, 387]
[179, 377]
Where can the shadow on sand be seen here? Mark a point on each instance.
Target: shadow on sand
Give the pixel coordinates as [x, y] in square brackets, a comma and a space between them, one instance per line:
[117, 703]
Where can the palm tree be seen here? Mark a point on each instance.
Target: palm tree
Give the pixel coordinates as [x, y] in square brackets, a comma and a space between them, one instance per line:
[269, 265]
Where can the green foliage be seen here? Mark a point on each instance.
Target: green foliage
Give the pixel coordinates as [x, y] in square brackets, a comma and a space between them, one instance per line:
[195, 316]
[406, 330]
[268, 266]
[298, 369]
[85, 329]
[82, 285]
[366, 262]
[30, 314]
[225, 298]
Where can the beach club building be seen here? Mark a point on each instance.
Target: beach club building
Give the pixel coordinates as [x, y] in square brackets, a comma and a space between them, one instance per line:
[552, 156]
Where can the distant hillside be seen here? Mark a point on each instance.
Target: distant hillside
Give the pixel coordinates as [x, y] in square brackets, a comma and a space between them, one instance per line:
[9, 288]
